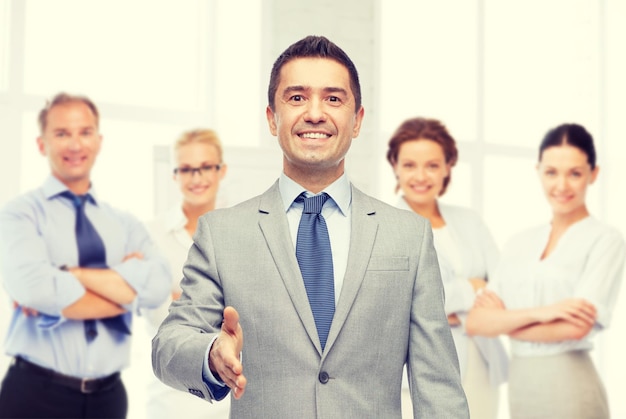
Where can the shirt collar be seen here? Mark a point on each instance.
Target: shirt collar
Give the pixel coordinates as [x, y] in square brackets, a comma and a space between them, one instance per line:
[175, 218]
[340, 191]
[53, 187]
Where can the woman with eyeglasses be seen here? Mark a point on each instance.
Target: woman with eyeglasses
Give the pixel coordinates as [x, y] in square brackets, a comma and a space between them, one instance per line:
[554, 290]
[199, 170]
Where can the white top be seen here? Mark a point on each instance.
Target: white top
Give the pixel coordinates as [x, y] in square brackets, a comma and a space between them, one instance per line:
[587, 262]
[466, 249]
[163, 402]
[169, 234]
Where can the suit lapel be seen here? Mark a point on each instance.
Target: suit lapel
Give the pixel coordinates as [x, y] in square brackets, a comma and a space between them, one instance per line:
[275, 228]
[362, 236]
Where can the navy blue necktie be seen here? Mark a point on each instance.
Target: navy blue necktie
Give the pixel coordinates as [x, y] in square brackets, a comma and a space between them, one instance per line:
[316, 263]
[91, 254]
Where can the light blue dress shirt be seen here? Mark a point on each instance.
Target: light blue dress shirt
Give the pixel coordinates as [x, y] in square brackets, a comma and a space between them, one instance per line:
[336, 212]
[36, 239]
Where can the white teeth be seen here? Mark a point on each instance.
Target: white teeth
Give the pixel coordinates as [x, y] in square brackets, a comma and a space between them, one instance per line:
[315, 135]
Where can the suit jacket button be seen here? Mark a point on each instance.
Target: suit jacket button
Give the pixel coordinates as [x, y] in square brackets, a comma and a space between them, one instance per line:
[196, 392]
[323, 377]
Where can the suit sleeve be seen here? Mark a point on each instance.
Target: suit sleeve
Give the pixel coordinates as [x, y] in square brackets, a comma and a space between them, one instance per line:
[180, 345]
[433, 367]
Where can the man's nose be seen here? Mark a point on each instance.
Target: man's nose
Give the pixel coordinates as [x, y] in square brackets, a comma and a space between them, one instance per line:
[315, 111]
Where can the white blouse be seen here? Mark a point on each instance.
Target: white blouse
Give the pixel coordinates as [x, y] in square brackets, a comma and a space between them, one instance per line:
[168, 232]
[466, 249]
[587, 262]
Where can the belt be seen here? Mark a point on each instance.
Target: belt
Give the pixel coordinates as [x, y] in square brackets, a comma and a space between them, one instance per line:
[84, 385]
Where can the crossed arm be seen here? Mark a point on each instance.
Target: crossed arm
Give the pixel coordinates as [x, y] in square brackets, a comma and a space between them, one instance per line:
[106, 291]
[568, 319]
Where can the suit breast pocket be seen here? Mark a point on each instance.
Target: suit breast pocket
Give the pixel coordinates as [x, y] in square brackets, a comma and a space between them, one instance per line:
[396, 263]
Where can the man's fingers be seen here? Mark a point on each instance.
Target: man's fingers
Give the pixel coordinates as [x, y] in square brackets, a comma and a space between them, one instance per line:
[231, 320]
[224, 355]
[240, 387]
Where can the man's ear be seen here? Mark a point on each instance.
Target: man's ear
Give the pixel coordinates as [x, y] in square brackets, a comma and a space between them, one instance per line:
[41, 146]
[271, 120]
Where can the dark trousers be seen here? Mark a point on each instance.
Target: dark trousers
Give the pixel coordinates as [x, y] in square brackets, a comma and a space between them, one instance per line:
[27, 394]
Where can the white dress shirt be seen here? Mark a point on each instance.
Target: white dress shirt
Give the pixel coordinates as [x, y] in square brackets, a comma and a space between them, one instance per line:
[336, 212]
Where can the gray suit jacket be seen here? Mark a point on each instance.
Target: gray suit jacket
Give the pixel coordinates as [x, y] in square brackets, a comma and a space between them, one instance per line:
[390, 311]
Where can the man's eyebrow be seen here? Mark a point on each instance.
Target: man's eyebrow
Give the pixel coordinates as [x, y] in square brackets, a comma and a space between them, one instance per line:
[300, 88]
[296, 88]
[335, 90]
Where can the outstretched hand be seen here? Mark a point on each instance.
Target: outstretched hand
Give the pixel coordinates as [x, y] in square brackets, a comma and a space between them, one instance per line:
[224, 360]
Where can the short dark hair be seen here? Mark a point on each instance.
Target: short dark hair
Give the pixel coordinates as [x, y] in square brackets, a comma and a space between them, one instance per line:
[317, 47]
[571, 134]
[62, 99]
[424, 129]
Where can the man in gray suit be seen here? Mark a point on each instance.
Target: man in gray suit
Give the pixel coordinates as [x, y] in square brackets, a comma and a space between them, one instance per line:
[242, 278]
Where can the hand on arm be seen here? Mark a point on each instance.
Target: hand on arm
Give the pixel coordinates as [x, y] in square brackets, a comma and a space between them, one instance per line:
[566, 320]
[453, 320]
[224, 359]
[477, 285]
[489, 317]
[107, 283]
[28, 312]
[91, 306]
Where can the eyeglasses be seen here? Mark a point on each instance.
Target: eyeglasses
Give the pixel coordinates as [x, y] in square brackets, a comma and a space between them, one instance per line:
[202, 170]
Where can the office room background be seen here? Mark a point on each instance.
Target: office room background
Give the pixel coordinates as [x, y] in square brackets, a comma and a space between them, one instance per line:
[499, 73]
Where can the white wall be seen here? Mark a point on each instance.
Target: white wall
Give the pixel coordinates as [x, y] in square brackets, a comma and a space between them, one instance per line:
[499, 73]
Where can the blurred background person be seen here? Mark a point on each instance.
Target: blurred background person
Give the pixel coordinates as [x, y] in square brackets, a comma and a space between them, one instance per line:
[422, 153]
[555, 288]
[77, 269]
[198, 172]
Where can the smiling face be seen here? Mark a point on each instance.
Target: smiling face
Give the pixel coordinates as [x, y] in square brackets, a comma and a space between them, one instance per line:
[314, 118]
[421, 169]
[71, 142]
[565, 173]
[199, 187]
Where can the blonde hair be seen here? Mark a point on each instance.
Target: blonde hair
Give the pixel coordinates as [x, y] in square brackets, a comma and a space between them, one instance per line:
[204, 136]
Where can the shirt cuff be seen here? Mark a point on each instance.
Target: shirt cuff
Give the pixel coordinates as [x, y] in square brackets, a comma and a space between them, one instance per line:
[207, 375]
[216, 388]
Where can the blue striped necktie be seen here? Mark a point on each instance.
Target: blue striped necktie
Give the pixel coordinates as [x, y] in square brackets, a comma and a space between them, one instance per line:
[91, 254]
[316, 263]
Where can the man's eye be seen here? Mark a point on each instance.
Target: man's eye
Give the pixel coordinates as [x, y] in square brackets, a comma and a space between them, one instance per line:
[296, 98]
